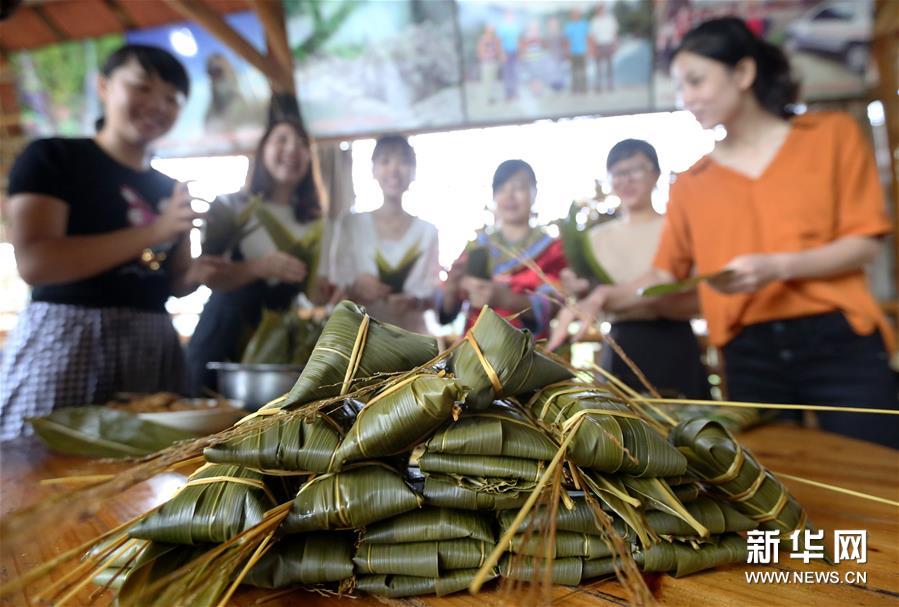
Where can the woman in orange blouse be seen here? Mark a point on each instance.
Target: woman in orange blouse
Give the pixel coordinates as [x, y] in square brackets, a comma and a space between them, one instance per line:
[792, 206]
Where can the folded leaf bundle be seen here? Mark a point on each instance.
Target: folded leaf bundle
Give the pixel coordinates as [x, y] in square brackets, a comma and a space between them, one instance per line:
[225, 226]
[289, 443]
[718, 517]
[97, 431]
[158, 561]
[578, 249]
[565, 571]
[398, 586]
[447, 492]
[430, 524]
[497, 360]
[565, 544]
[477, 263]
[400, 416]
[605, 428]
[421, 559]
[579, 519]
[395, 276]
[355, 347]
[218, 502]
[683, 559]
[309, 558]
[306, 248]
[719, 461]
[350, 499]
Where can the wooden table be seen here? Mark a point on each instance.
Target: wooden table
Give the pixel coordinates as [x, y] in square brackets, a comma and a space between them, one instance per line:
[805, 453]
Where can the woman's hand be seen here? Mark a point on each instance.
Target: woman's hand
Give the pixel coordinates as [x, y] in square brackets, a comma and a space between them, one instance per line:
[402, 303]
[279, 266]
[559, 333]
[368, 288]
[480, 291]
[176, 217]
[572, 285]
[205, 269]
[750, 273]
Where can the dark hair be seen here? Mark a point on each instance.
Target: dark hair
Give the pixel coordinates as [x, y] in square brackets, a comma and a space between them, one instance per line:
[155, 61]
[508, 168]
[628, 148]
[306, 199]
[394, 144]
[728, 40]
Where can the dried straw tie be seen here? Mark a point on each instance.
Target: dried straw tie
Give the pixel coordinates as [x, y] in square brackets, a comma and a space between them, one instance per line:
[485, 364]
[356, 356]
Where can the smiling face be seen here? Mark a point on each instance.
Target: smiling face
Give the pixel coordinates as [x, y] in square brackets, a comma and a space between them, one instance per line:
[286, 155]
[633, 180]
[139, 107]
[709, 89]
[514, 199]
[394, 172]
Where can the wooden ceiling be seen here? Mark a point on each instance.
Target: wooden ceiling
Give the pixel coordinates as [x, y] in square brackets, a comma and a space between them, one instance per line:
[36, 23]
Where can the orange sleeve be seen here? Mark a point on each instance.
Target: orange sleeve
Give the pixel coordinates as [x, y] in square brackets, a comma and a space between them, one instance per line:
[675, 251]
[861, 208]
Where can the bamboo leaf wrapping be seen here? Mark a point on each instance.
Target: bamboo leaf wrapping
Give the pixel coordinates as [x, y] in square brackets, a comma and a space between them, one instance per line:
[499, 431]
[683, 559]
[295, 443]
[156, 562]
[498, 360]
[313, 558]
[399, 586]
[579, 519]
[97, 431]
[225, 227]
[350, 499]
[400, 417]
[446, 492]
[566, 544]
[421, 559]
[430, 524]
[717, 517]
[601, 439]
[211, 512]
[578, 249]
[718, 459]
[386, 349]
[395, 276]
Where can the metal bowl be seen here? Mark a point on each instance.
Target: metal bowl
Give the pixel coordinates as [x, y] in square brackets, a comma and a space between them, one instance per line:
[254, 385]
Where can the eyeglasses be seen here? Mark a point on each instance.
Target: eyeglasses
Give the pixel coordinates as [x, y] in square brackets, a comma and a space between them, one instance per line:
[634, 173]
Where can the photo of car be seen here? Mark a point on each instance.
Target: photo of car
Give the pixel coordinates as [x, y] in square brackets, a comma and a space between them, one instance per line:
[841, 28]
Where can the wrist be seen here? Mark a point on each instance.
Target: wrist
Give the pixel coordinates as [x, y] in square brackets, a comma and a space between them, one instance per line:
[783, 266]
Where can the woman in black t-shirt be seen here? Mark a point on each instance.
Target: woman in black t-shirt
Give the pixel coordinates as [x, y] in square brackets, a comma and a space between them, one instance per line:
[100, 236]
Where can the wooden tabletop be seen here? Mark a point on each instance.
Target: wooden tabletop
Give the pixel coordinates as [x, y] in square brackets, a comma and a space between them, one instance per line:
[809, 454]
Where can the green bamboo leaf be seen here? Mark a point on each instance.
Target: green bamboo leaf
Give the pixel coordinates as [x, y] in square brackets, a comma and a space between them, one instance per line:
[395, 276]
[683, 559]
[350, 499]
[511, 355]
[399, 586]
[447, 492]
[430, 524]
[386, 349]
[211, 512]
[312, 558]
[421, 559]
[400, 416]
[97, 431]
[660, 495]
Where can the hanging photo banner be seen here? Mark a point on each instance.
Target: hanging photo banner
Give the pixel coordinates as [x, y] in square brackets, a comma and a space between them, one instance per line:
[229, 98]
[368, 66]
[57, 86]
[827, 41]
[527, 60]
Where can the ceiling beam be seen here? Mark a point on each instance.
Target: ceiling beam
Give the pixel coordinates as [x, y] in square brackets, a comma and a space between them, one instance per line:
[121, 16]
[271, 15]
[203, 15]
[57, 31]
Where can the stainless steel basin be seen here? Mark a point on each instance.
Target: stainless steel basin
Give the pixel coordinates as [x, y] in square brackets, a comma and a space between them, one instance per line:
[254, 385]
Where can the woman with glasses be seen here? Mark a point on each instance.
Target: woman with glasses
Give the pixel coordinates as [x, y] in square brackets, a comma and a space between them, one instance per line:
[500, 266]
[792, 207]
[655, 334]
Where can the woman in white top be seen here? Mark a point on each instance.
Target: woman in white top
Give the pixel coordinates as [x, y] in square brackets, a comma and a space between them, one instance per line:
[655, 334]
[259, 275]
[387, 259]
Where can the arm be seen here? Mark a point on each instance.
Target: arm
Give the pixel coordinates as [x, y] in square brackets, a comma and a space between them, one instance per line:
[46, 255]
[843, 255]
